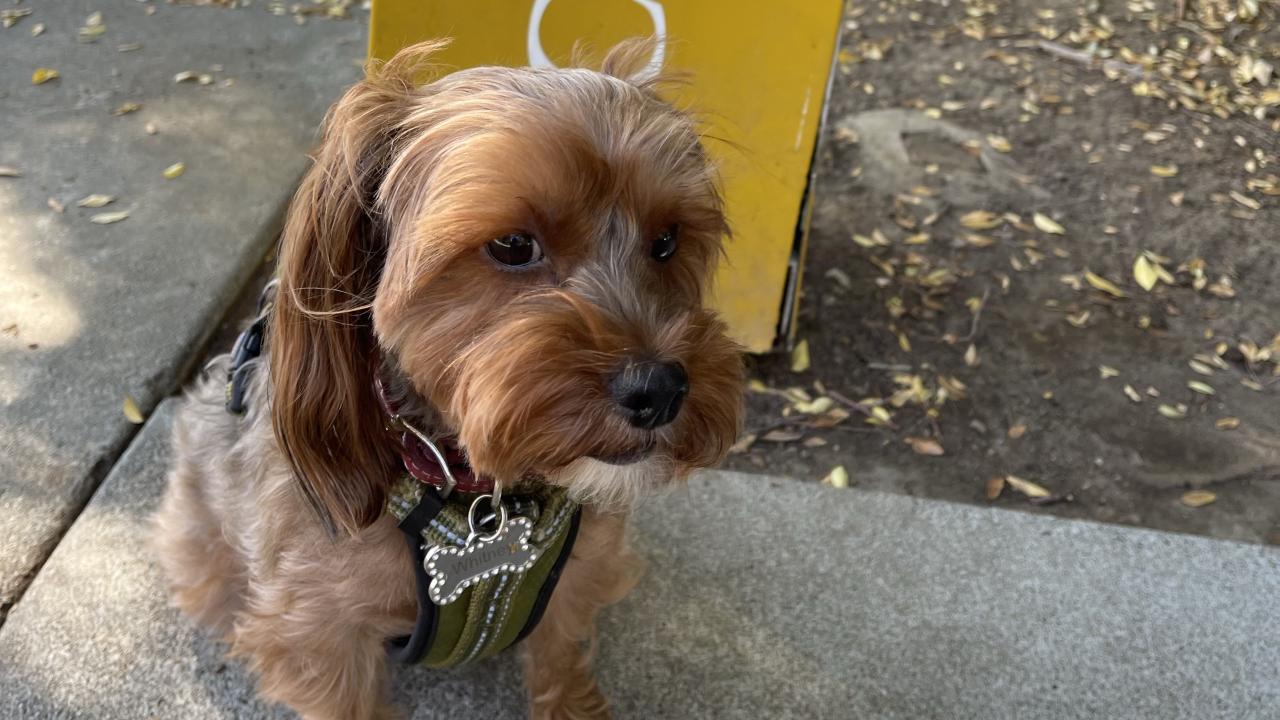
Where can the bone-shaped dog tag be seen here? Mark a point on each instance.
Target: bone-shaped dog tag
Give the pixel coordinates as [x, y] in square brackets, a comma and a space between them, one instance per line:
[454, 569]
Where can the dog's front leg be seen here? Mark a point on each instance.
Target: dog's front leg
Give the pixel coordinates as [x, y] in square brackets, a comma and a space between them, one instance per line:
[312, 659]
[558, 654]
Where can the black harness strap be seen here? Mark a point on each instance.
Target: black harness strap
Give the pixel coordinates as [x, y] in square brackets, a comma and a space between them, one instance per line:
[248, 347]
[409, 650]
[553, 579]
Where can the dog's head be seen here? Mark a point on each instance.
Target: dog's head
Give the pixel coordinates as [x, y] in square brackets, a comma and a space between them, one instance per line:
[531, 250]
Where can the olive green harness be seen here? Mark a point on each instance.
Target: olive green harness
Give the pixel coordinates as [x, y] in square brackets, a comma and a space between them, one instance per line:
[497, 611]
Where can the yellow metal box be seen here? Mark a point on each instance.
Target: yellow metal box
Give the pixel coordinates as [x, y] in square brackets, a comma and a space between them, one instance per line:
[761, 70]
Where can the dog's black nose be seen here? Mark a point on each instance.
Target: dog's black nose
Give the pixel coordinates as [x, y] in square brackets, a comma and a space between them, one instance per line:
[650, 392]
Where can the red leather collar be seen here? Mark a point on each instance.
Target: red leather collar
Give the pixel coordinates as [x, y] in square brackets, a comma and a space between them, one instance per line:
[421, 463]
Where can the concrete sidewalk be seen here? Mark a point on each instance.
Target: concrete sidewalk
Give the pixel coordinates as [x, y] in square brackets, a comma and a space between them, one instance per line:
[92, 312]
[765, 598]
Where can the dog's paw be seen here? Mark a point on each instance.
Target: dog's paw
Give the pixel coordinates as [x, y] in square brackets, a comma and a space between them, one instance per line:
[569, 703]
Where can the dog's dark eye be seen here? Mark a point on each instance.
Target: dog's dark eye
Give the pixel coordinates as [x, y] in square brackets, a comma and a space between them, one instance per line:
[664, 246]
[516, 250]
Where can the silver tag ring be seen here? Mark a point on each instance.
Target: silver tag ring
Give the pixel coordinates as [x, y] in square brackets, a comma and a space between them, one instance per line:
[472, 524]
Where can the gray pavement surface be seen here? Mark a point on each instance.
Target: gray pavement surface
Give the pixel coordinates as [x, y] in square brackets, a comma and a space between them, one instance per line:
[765, 598]
[90, 312]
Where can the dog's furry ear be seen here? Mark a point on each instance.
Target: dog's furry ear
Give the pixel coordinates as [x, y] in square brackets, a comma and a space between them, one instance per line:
[323, 354]
[631, 60]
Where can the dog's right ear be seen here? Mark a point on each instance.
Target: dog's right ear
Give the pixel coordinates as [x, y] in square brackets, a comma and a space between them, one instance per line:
[638, 61]
[323, 355]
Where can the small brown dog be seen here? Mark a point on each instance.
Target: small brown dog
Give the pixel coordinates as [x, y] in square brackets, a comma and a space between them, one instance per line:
[521, 256]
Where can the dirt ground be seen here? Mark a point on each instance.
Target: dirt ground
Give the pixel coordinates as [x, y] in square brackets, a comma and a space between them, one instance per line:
[1088, 386]
[956, 347]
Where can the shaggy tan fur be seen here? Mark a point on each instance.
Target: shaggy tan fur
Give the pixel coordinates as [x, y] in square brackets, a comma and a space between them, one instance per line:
[273, 532]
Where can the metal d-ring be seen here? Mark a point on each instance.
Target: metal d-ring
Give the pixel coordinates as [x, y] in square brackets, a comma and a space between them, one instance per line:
[471, 520]
[450, 482]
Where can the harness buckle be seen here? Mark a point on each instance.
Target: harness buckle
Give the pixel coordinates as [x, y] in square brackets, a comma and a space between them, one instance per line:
[248, 346]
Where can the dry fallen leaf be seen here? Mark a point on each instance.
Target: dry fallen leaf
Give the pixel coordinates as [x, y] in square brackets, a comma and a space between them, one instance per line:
[1173, 412]
[847, 135]
[1221, 289]
[1227, 423]
[1245, 200]
[131, 411]
[1047, 224]
[995, 486]
[981, 220]
[95, 201]
[1133, 394]
[1200, 387]
[925, 446]
[879, 416]
[1144, 273]
[1079, 319]
[837, 478]
[782, 435]
[971, 356]
[1164, 171]
[800, 357]
[174, 170]
[90, 33]
[999, 143]
[9, 18]
[1106, 371]
[1026, 487]
[878, 238]
[126, 108]
[816, 406]
[1200, 367]
[109, 217]
[841, 278]
[1017, 431]
[1100, 283]
[795, 394]
[44, 75]
[56, 205]
[1198, 498]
